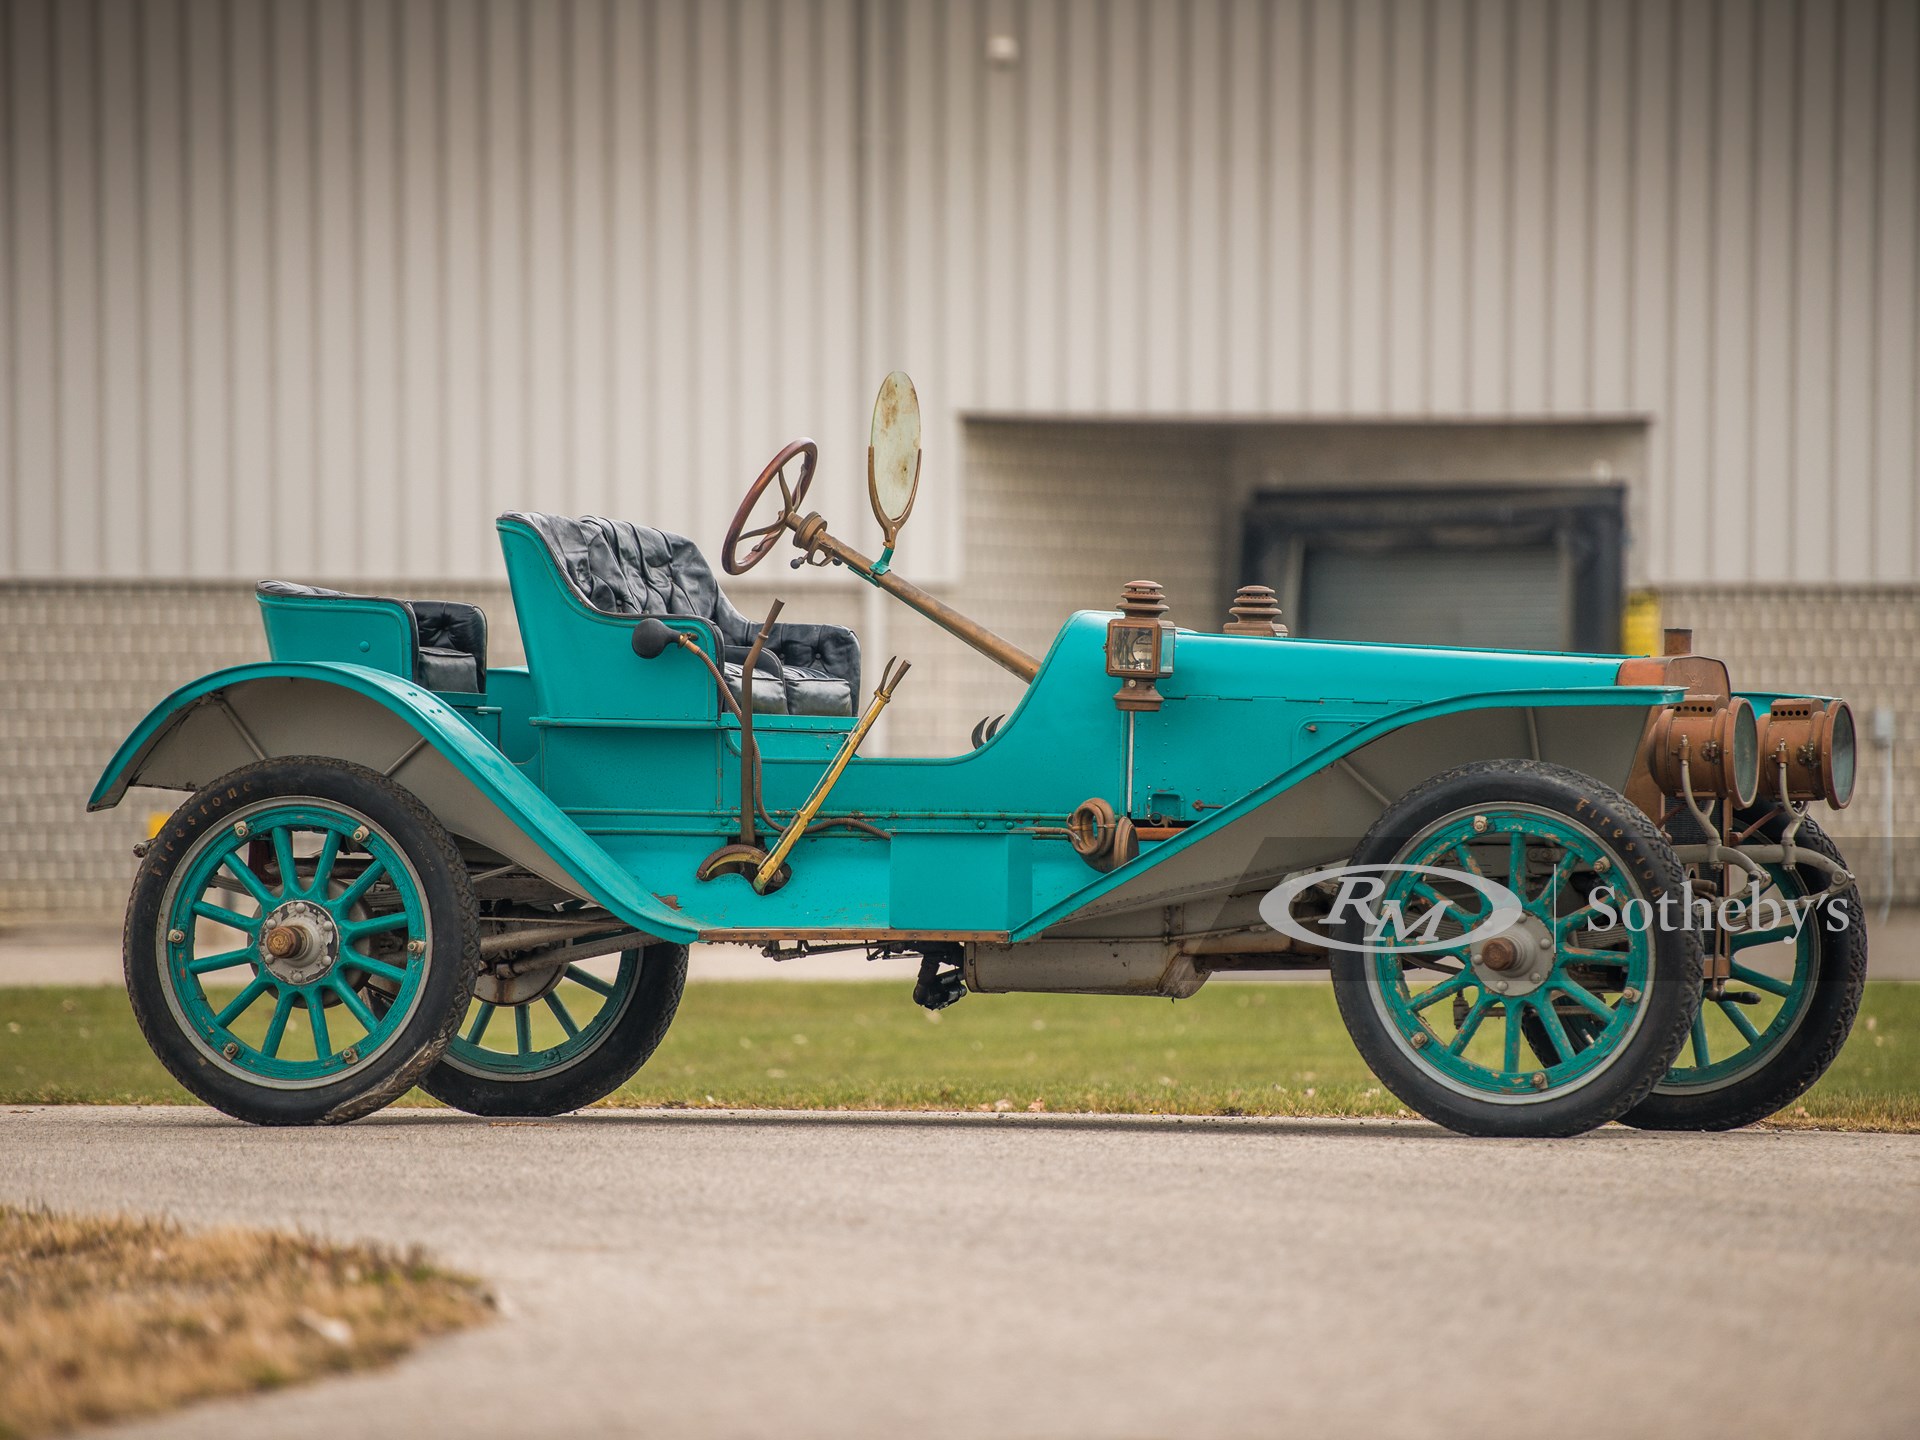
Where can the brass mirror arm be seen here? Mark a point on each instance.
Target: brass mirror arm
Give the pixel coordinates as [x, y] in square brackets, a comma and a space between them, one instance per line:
[811, 535]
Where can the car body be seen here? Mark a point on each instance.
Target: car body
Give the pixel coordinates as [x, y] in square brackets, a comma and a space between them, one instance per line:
[1092, 842]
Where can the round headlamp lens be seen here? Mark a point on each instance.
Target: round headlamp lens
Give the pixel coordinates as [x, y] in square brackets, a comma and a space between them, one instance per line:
[1745, 776]
[1843, 752]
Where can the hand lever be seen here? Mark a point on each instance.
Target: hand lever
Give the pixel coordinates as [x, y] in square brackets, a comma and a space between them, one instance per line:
[895, 671]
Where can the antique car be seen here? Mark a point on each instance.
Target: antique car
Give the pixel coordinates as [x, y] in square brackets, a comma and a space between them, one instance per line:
[1553, 890]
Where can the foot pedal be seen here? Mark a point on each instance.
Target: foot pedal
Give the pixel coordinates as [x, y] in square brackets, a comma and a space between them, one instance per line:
[938, 988]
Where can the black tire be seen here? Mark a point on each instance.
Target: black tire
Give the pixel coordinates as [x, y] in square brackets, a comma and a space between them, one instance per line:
[450, 959]
[1640, 857]
[1796, 1062]
[627, 1044]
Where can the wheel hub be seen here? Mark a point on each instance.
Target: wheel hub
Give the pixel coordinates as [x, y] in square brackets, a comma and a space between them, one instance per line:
[497, 987]
[298, 942]
[1518, 960]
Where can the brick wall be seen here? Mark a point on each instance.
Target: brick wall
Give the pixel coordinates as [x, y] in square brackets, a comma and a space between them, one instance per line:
[1862, 642]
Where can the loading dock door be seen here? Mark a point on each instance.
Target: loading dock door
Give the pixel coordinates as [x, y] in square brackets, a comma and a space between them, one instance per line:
[1522, 568]
[1476, 595]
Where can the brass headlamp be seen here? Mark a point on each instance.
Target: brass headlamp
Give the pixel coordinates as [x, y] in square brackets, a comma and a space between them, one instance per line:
[1814, 742]
[1708, 744]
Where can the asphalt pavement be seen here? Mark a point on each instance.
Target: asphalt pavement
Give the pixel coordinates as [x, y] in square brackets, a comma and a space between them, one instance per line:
[748, 1274]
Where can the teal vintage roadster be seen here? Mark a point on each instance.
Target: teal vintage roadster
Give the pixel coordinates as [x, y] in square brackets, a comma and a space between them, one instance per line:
[1554, 890]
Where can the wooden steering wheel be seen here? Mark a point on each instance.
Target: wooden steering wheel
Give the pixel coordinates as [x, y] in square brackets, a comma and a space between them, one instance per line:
[790, 498]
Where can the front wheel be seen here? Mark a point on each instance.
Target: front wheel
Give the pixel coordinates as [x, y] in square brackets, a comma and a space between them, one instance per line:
[1506, 894]
[300, 942]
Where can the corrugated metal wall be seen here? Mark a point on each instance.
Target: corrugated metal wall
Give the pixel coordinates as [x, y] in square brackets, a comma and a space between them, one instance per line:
[317, 288]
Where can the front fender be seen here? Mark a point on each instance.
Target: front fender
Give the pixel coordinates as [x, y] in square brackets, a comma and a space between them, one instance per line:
[252, 712]
[1315, 811]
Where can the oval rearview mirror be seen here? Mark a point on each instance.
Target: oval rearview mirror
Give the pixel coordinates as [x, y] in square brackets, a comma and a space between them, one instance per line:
[893, 454]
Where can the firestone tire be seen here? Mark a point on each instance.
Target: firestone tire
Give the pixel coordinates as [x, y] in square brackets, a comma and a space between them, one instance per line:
[382, 900]
[609, 1051]
[1600, 837]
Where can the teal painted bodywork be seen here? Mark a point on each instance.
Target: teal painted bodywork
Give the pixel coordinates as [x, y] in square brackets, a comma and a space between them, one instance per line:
[626, 772]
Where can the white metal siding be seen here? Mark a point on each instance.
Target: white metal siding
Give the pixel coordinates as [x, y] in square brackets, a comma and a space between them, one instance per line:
[317, 288]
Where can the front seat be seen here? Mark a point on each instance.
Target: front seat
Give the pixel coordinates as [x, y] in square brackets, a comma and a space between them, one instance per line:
[620, 568]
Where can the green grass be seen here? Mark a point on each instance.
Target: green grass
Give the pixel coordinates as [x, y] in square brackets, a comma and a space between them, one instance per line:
[1234, 1049]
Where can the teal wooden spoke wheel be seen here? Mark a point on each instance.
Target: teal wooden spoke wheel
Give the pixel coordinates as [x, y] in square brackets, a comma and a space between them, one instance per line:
[300, 941]
[1441, 1003]
[551, 1041]
[1799, 967]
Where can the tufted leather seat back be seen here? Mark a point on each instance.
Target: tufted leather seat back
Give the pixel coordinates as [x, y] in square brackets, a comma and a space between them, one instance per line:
[622, 568]
[449, 636]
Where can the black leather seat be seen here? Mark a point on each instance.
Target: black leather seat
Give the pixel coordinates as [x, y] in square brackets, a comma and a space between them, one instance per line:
[625, 569]
[449, 637]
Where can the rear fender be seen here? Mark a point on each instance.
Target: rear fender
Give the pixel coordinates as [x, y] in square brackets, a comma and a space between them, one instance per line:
[253, 712]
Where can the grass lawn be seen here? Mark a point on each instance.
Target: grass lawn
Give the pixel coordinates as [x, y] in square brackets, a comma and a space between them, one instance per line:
[103, 1318]
[1234, 1049]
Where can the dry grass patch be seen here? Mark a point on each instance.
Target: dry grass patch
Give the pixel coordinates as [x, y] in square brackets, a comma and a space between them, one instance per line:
[102, 1318]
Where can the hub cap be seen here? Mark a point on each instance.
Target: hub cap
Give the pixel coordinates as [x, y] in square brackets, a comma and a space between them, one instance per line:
[299, 942]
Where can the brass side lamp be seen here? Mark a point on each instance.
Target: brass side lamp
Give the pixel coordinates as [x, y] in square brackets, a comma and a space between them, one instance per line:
[1140, 646]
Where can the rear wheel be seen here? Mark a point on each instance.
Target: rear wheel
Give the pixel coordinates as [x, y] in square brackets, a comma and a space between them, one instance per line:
[548, 1042]
[1525, 863]
[300, 941]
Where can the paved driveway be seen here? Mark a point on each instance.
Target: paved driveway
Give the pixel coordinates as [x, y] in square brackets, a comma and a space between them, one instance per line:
[704, 1273]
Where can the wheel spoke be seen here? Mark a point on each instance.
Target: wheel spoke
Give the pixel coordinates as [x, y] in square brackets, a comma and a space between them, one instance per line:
[1556, 1031]
[592, 981]
[1510, 1060]
[1583, 996]
[1759, 981]
[772, 529]
[350, 997]
[1467, 862]
[1452, 986]
[207, 910]
[237, 1006]
[480, 1020]
[1425, 891]
[786, 492]
[1700, 1039]
[1745, 939]
[243, 872]
[1732, 1011]
[1517, 865]
[317, 1019]
[560, 1013]
[1470, 1024]
[323, 865]
[220, 962]
[1574, 921]
[523, 1029]
[373, 966]
[349, 897]
[1542, 903]
[277, 1027]
[283, 855]
[351, 930]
